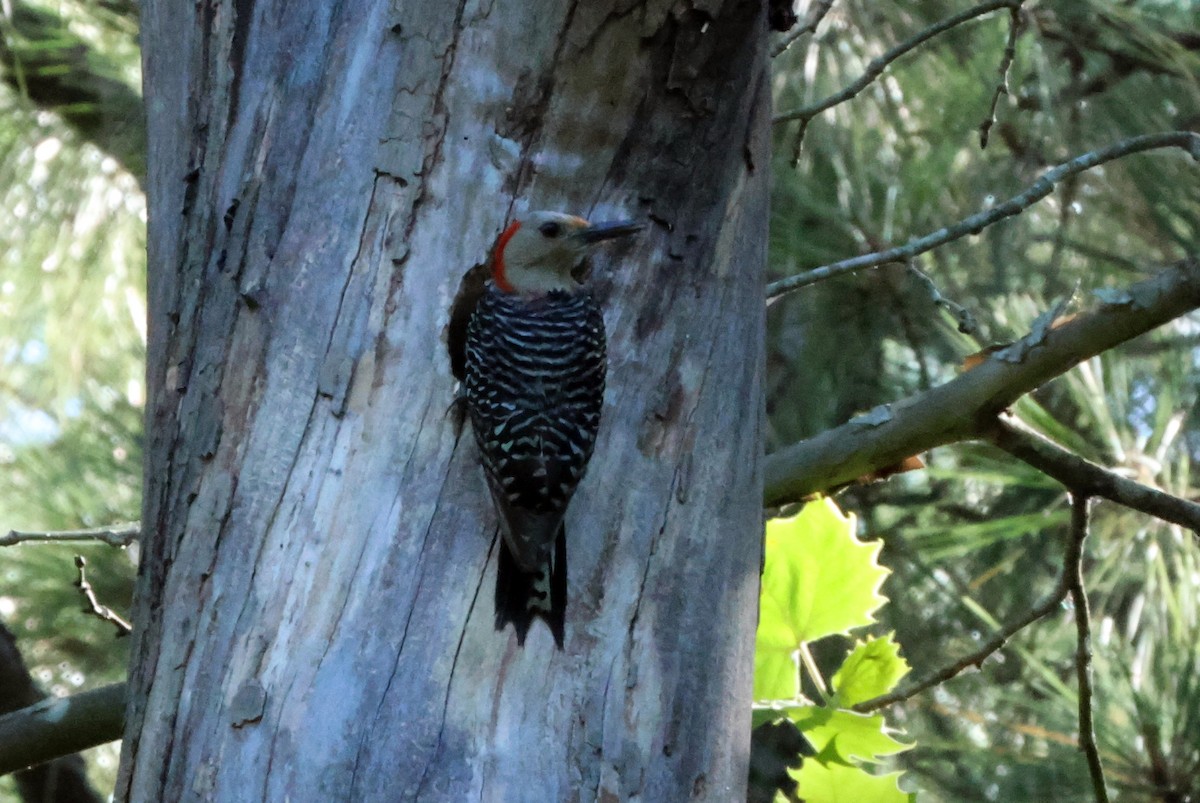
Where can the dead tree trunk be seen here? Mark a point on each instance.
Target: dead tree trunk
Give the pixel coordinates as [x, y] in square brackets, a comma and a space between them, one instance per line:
[314, 611]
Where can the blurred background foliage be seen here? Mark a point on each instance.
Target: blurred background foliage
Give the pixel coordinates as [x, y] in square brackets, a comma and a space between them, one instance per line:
[977, 538]
[72, 330]
[973, 539]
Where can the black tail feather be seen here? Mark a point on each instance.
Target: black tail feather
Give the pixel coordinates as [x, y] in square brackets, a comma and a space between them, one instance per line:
[519, 599]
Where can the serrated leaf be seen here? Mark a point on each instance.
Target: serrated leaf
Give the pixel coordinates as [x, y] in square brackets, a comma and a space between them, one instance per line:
[837, 783]
[846, 735]
[818, 579]
[872, 669]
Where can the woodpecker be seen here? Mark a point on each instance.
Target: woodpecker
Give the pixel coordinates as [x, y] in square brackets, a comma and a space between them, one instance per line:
[535, 363]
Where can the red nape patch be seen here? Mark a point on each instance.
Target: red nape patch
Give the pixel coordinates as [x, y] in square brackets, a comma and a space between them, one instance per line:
[498, 258]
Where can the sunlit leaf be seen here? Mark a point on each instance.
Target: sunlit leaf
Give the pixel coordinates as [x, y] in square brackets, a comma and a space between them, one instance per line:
[872, 669]
[846, 735]
[838, 783]
[818, 579]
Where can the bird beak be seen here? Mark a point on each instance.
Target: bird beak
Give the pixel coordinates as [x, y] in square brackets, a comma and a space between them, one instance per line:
[598, 232]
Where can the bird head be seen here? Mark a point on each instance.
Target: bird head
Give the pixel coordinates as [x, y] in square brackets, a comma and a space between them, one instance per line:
[539, 252]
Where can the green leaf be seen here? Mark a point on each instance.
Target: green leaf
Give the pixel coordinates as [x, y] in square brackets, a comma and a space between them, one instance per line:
[872, 669]
[837, 783]
[846, 735]
[818, 580]
[777, 670]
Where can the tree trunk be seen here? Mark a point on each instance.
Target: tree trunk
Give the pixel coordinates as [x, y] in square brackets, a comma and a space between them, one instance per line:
[314, 609]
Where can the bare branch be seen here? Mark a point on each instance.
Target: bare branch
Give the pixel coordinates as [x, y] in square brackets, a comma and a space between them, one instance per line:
[94, 607]
[1084, 477]
[976, 659]
[966, 407]
[877, 66]
[814, 19]
[1047, 606]
[121, 535]
[1010, 52]
[1070, 582]
[962, 316]
[59, 726]
[1073, 573]
[974, 224]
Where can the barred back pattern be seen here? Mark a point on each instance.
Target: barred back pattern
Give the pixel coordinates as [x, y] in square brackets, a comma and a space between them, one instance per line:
[535, 373]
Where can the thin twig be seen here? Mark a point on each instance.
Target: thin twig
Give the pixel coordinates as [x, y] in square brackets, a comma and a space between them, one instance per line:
[94, 607]
[1083, 476]
[814, 671]
[121, 535]
[962, 316]
[1047, 606]
[877, 65]
[976, 223]
[1010, 52]
[810, 26]
[1073, 572]
[1043, 608]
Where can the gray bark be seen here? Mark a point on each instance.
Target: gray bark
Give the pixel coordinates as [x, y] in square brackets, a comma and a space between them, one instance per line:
[314, 610]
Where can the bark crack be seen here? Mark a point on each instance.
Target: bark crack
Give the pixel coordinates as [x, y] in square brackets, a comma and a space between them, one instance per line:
[412, 608]
[603, 726]
[275, 509]
[450, 683]
[339, 393]
[532, 119]
[275, 742]
[205, 384]
[434, 157]
[704, 374]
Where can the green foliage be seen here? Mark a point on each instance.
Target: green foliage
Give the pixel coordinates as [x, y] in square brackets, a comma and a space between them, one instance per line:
[972, 540]
[844, 736]
[976, 538]
[839, 783]
[72, 344]
[872, 669]
[819, 580]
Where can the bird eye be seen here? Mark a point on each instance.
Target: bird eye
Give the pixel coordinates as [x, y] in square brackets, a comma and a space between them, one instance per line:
[550, 229]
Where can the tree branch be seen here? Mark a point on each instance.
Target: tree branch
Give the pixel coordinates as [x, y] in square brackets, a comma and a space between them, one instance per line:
[1084, 477]
[102, 612]
[1047, 606]
[962, 316]
[1010, 52]
[814, 19]
[1073, 574]
[877, 66]
[965, 407]
[65, 778]
[974, 224]
[121, 535]
[976, 659]
[59, 726]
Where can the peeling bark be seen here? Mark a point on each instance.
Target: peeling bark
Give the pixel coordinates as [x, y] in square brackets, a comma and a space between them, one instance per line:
[313, 618]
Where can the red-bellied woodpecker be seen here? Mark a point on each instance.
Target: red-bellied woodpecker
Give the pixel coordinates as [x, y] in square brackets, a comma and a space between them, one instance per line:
[535, 366]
